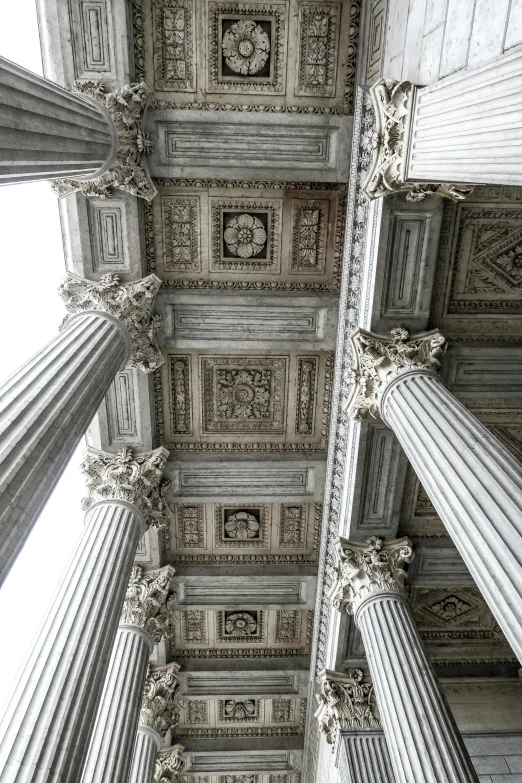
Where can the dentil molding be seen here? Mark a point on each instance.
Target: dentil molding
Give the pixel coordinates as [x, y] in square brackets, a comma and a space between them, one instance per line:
[346, 702]
[147, 604]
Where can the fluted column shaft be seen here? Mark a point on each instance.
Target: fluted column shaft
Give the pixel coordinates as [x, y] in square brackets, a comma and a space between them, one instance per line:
[364, 757]
[474, 484]
[45, 408]
[45, 732]
[48, 133]
[148, 742]
[423, 741]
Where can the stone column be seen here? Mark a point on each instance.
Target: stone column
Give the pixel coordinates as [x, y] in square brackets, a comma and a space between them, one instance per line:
[46, 729]
[349, 719]
[158, 715]
[46, 406]
[169, 765]
[423, 740]
[471, 479]
[91, 135]
[145, 620]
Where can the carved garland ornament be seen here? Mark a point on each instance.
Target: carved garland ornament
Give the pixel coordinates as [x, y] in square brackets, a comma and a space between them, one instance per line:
[131, 303]
[158, 705]
[380, 359]
[367, 568]
[346, 702]
[169, 765]
[128, 172]
[147, 602]
[137, 479]
[393, 102]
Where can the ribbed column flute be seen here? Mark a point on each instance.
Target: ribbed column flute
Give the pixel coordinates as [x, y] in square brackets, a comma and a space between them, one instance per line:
[46, 729]
[423, 741]
[145, 620]
[473, 482]
[47, 405]
[47, 132]
[348, 715]
[157, 715]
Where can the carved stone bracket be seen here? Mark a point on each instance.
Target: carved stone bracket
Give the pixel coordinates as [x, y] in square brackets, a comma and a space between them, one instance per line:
[380, 359]
[147, 601]
[131, 303]
[137, 479]
[169, 765]
[364, 569]
[158, 706]
[128, 172]
[346, 702]
[393, 102]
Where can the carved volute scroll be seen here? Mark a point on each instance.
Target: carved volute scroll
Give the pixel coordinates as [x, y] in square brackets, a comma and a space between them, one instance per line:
[169, 765]
[364, 569]
[346, 702]
[158, 706]
[147, 601]
[380, 359]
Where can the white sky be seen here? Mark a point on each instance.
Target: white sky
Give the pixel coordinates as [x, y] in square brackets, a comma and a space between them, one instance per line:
[32, 264]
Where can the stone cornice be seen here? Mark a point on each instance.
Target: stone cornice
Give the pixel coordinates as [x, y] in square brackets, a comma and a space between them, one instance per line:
[128, 171]
[365, 569]
[147, 602]
[134, 478]
[158, 705]
[130, 303]
[346, 703]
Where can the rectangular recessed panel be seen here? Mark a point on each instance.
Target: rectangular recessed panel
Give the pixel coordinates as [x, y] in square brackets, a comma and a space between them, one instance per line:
[240, 683]
[240, 480]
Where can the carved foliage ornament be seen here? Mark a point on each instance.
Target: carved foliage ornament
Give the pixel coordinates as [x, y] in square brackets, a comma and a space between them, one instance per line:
[147, 603]
[169, 765]
[158, 705]
[128, 172]
[380, 359]
[131, 303]
[393, 103]
[246, 47]
[346, 702]
[367, 568]
[124, 476]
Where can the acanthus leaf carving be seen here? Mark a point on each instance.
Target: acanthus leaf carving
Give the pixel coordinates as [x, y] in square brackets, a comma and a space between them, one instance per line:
[131, 303]
[134, 478]
[128, 171]
[393, 103]
[169, 765]
[346, 702]
[148, 603]
[364, 569]
[380, 359]
[158, 704]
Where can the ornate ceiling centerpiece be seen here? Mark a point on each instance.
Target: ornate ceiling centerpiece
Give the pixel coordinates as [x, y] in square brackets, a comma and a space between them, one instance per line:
[246, 47]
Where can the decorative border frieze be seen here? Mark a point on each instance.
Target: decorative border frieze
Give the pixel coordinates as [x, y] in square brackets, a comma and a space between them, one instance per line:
[173, 25]
[318, 41]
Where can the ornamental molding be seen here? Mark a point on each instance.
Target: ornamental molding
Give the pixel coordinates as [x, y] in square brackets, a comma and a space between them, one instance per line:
[346, 702]
[364, 569]
[379, 360]
[134, 478]
[158, 705]
[147, 602]
[131, 303]
[393, 102]
[126, 107]
[169, 765]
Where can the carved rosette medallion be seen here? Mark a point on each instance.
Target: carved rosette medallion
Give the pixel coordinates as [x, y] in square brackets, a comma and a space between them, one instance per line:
[135, 478]
[158, 705]
[380, 359]
[169, 765]
[147, 602]
[393, 103]
[128, 172]
[131, 303]
[364, 569]
[246, 47]
[346, 702]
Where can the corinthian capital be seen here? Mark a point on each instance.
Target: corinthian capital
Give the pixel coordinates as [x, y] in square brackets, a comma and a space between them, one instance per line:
[127, 170]
[147, 602]
[346, 702]
[131, 303]
[158, 705]
[393, 102]
[135, 478]
[378, 360]
[169, 765]
[367, 568]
